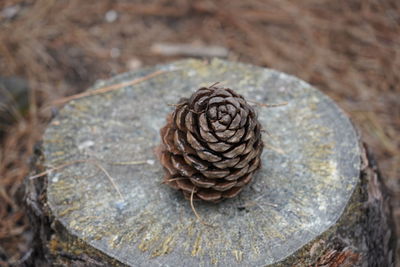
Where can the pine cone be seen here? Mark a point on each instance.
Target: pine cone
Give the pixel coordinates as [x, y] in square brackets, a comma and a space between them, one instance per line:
[211, 144]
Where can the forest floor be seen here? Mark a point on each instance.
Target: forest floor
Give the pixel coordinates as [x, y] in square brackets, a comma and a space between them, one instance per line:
[349, 49]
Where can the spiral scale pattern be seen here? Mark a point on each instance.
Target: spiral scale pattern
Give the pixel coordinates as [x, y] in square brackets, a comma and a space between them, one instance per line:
[211, 144]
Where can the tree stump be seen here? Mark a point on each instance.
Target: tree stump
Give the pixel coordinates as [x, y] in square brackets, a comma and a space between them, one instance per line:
[318, 198]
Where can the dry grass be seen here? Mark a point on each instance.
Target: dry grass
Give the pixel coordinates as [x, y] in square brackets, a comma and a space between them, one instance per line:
[347, 48]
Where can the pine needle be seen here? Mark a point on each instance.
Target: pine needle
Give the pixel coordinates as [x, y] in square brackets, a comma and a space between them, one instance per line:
[195, 212]
[109, 178]
[268, 105]
[173, 179]
[273, 148]
[107, 88]
[139, 162]
[59, 167]
[62, 166]
[214, 84]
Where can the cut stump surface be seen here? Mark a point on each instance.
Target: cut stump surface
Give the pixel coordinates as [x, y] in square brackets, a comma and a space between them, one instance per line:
[309, 202]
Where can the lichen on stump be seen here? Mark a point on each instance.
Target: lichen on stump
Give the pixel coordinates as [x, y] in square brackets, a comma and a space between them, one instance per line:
[313, 201]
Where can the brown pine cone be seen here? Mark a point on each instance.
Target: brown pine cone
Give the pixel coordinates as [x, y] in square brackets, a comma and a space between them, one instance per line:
[211, 144]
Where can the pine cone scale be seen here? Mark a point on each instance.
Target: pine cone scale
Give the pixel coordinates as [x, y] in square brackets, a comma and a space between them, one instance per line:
[178, 116]
[208, 136]
[211, 144]
[197, 163]
[202, 182]
[237, 136]
[190, 122]
[237, 173]
[219, 147]
[235, 151]
[186, 185]
[233, 192]
[226, 163]
[193, 141]
[179, 164]
[208, 156]
[225, 135]
[209, 195]
[224, 185]
[244, 180]
[216, 173]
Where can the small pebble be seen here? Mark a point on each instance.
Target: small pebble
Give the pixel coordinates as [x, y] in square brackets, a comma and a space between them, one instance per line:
[115, 52]
[191, 73]
[10, 12]
[134, 64]
[256, 188]
[111, 16]
[120, 205]
[85, 144]
[55, 178]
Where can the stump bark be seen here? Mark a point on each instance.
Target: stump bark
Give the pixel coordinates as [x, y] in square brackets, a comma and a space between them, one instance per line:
[318, 198]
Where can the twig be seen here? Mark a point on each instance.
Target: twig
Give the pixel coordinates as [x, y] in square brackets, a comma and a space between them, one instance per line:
[107, 88]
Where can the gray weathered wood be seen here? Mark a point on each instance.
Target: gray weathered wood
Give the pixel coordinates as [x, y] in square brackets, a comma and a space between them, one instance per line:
[309, 201]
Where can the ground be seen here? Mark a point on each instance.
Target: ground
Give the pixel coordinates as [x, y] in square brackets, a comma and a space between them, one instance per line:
[348, 48]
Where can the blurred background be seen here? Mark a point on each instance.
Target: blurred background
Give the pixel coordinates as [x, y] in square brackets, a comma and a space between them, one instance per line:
[349, 49]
